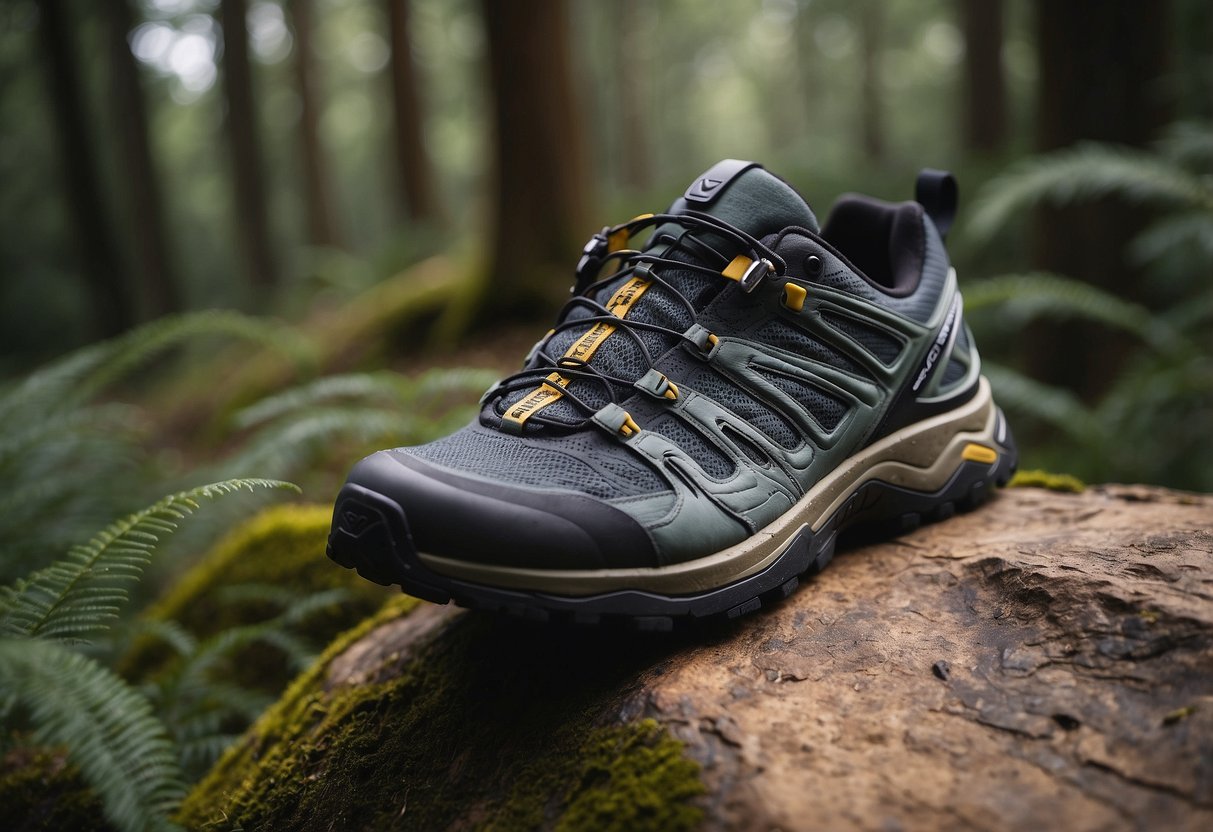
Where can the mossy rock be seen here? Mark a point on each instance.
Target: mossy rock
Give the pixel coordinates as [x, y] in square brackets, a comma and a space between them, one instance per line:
[414, 721]
[42, 792]
[283, 546]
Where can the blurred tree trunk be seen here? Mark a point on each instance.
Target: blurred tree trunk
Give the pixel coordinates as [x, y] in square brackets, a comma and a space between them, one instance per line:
[871, 42]
[252, 212]
[412, 161]
[142, 185]
[1082, 95]
[985, 88]
[112, 304]
[318, 203]
[540, 193]
[631, 90]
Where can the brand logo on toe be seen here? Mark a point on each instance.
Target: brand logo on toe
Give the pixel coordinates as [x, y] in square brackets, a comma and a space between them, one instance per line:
[355, 522]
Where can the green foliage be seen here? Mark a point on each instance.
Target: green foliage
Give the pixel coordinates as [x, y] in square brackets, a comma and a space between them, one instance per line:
[57, 442]
[83, 593]
[1084, 172]
[301, 426]
[1151, 424]
[122, 750]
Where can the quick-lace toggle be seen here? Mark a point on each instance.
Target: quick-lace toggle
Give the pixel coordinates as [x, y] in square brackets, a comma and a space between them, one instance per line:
[615, 420]
[656, 384]
[748, 273]
[593, 255]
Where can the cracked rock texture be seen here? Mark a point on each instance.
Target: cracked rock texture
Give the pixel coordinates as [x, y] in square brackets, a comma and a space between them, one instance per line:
[1045, 661]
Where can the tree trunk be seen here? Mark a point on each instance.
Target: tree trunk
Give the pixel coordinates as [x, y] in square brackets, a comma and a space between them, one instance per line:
[1084, 96]
[252, 211]
[985, 88]
[1040, 663]
[540, 188]
[142, 185]
[317, 195]
[631, 88]
[112, 304]
[412, 161]
[871, 100]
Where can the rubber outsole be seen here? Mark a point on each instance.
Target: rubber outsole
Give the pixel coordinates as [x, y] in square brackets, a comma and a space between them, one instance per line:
[371, 535]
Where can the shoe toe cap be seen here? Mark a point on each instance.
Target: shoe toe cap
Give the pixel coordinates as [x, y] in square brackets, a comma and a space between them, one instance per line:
[453, 515]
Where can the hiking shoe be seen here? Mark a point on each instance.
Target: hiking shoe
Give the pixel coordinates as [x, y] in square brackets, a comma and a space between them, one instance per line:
[713, 406]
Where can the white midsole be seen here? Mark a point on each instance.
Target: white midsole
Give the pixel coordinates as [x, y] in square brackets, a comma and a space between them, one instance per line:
[921, 457]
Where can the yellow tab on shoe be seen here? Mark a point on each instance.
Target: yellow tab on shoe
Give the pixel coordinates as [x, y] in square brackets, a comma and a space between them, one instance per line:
[793, 296]
[583, 349]
[979, 453]
[737, 267]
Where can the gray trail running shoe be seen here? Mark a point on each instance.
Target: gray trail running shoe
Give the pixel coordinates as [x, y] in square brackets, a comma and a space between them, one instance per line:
[712, 408]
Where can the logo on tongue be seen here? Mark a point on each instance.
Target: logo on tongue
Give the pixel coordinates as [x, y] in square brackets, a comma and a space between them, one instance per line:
[707, 187]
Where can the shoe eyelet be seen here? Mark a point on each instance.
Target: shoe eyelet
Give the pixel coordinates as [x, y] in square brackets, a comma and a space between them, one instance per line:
[813, 265]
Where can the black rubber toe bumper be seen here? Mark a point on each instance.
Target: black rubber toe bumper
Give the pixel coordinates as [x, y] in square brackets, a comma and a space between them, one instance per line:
[463, 518]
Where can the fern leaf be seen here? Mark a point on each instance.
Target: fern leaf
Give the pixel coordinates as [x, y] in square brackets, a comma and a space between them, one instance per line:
[1043, 294]
[84, 592]
[296, 440]
[1170, 233]
[1086, 171]
[1018, 393]
[132, 350]
[383, 386]
[122, 751]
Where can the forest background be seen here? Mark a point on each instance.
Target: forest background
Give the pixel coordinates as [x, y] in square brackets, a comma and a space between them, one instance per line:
[259, 238]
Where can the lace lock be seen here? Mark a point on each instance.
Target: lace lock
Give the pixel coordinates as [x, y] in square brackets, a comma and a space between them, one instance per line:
[702, 338]
[656, 384]
[593, 255]
[755, 273]
[615, 420]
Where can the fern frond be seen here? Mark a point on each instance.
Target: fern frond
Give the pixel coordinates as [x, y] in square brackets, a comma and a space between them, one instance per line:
[83, 593]
[294, 441]
[380, 387]
[1194, 229]
[1086, 171]
[122, 751]
[1190, 143]
[383, 386]
[1044, 294]
[137, 347]
[1018, 393]
[108, 421]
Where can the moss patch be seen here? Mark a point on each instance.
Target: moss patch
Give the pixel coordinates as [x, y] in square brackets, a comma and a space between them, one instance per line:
[486, 724]
[282, 547]
[1045, 479]
[41, 791]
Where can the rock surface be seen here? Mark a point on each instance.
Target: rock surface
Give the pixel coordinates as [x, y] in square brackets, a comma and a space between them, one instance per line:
[1045, 661]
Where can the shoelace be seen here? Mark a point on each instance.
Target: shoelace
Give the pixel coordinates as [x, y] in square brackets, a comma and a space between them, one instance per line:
[550, 377]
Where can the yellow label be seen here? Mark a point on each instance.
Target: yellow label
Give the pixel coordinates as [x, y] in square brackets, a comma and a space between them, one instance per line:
[582, 349]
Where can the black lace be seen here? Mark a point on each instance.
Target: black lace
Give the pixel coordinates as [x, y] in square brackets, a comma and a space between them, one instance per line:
[590, 283]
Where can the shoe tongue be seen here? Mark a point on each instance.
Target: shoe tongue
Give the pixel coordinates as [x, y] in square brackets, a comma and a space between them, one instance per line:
[740, 193]
[747, 196]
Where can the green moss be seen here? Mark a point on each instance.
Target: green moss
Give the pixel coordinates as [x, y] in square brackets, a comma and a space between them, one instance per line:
[633, 777]
[1045, 479]
[485, 725]
[42, 792]
[282, 547]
